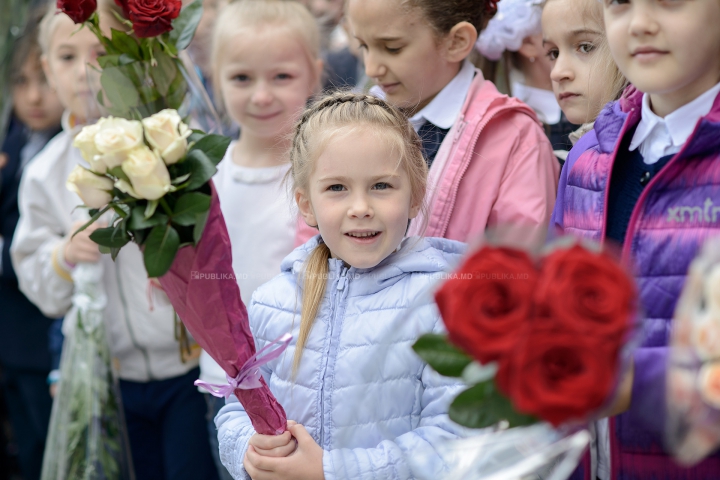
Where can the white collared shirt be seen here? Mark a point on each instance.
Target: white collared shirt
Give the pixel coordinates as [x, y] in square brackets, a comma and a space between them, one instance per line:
[445, 108]
[657, 137]
[543, 102]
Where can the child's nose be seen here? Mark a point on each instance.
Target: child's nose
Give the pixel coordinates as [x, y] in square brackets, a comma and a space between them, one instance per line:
[562, 70]
[360, 207]
[35, 92]
[374, 68]
[262, 95]
[642, 21]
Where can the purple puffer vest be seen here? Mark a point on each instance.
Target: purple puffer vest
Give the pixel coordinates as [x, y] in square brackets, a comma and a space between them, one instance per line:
[676, 212]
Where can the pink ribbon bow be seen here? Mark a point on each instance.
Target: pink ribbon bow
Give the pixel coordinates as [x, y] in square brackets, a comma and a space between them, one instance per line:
[249, 375]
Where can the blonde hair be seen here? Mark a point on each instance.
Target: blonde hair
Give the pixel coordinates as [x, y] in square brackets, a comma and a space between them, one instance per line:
[259, 13]
[106, 9]
[316, 128]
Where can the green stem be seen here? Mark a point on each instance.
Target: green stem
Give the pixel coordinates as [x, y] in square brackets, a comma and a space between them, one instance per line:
[166, 207]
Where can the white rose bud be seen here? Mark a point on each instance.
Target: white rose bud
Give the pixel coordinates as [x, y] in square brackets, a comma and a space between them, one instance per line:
[166, 133]
[148, 174]
[94, 190]
[116, 138]
[85, 142]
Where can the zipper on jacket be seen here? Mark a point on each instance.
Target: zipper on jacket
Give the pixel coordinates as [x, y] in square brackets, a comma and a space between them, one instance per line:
[337, 294]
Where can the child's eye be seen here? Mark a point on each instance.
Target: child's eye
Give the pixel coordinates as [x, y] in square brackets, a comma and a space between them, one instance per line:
[240, 78]
[382, 186]
[336, 188]
[67, 57]
[393, 51]
[283, 76]
[616, 2]
[552, 54]
[586, 47]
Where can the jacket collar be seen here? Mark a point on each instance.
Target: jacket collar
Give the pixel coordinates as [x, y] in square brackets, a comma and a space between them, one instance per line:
[610, 122]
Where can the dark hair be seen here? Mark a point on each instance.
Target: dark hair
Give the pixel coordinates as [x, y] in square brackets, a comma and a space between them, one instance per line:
[443, 15]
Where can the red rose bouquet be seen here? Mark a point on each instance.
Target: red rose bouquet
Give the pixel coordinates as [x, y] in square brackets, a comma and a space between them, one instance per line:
[693, 375]
[537, 338]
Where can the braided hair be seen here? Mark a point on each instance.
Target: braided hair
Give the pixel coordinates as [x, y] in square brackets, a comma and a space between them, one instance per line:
[317, 126]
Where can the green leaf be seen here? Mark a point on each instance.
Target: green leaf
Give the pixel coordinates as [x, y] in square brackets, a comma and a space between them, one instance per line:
[114, 253]
[125, 43]
[445, 358]
[139, 222]
[164, 72]
[121, 92]
[201, 169]
[93, 219]
[122, 210]
[106, 61]
[161, 247]
[189, 206]
[113, 237]
[150, 208]
[185, 25]
[483, 406]
[118, 172]
[214, 146]
[200, 222]
[176, 92]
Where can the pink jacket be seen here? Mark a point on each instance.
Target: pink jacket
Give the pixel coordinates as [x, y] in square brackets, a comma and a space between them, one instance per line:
[496, 168]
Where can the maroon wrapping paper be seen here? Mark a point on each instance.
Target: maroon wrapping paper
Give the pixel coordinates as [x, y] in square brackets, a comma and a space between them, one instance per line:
[201, 286]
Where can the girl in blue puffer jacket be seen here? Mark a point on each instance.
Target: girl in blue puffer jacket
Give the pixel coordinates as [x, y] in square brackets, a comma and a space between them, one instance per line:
[362, 399]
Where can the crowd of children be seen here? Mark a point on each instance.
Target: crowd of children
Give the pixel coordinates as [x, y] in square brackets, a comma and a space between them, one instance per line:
[343, 206]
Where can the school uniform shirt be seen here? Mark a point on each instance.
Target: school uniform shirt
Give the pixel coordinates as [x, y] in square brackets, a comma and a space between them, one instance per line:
[435, 120]
[261, 218]
[140, 335]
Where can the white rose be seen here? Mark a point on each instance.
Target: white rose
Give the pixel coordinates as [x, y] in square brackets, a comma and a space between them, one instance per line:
[706, 335]
[94, 190]
[166, 133]
[85, 142]
[149, 177]
[116, 137]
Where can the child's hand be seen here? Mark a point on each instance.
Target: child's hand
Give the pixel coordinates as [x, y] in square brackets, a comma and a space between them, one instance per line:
[80, 248]
[274, 445]
[305, 463]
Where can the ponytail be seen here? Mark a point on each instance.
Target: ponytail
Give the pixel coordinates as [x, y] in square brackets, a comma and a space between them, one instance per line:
[316, 270]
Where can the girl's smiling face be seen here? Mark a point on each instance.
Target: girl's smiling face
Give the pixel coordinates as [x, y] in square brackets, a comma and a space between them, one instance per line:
[669, 49]
[581, 73]
[359, 196]
[264, 89]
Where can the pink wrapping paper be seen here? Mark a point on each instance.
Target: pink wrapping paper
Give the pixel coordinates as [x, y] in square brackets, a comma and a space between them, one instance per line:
[201, 286]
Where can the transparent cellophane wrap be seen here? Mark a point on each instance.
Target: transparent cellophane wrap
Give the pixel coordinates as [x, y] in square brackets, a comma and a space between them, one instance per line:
[87, 438]
[693, 374]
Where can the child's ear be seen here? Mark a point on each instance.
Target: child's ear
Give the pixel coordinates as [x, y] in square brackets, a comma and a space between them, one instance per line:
[305, 207]
[460, 42]
[531, 47]
[46, 71]
[415, 207]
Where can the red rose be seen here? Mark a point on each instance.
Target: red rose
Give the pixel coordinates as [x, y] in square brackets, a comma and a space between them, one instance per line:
[150, 18]
[583, 291]
[558, 376]
[78, 10]
[487, 303]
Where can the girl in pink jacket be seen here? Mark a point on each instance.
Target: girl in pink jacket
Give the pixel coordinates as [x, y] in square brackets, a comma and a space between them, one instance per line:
[491, 164]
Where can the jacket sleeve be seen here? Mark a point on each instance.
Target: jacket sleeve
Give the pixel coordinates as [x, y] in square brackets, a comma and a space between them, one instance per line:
[234, 432]
[389, 459]
[36, 251]
[648, 389]
[528, 186]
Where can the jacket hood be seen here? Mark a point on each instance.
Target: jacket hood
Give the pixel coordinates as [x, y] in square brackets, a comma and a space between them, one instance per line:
[484, 100]
[415, 255]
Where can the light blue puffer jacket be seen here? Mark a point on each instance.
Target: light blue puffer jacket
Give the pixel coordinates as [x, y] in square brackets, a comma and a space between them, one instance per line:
[361, 392]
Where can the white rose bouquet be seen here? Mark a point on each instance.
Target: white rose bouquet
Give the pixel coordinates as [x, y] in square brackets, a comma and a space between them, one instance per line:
[154, 175]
